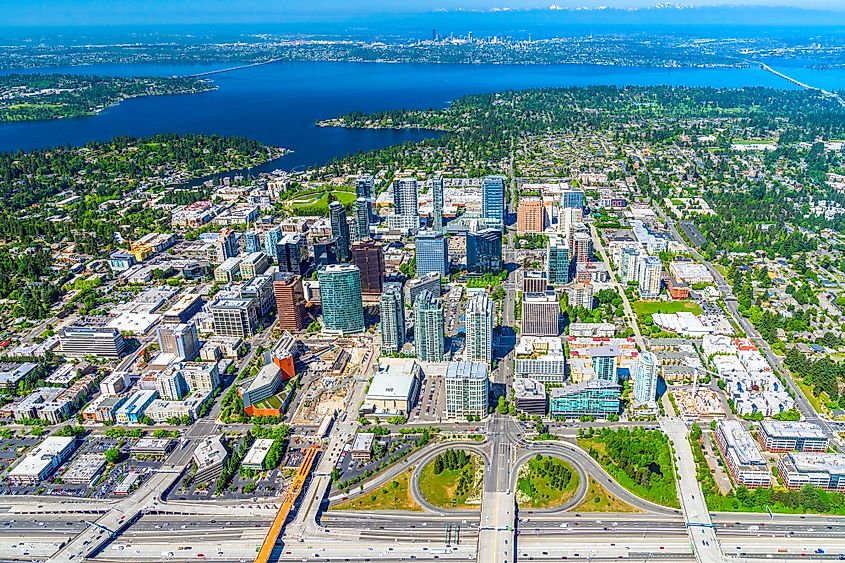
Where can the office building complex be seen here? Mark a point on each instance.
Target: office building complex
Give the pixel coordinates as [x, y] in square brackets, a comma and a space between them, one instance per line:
[428, 328]
[645, 380]
[493, 200]
[369, 258]
[432, 253]
[589, 398]
[180, 340]
[254, 264]
[819, 470]
[540, 314]
[392, 317]
[92, 341]
[228, 272]
[540, 358]
[649, 276]
[260, 290]
[340, 229]
[582, 246]
[742, 455]
[234, 317]
[558, 262]
[783, 436]
[479, 329]
[531, 215]
[290, 301]
[484, 251]
[340, 295]
[263, 386]
[467, 389]
[437, 203]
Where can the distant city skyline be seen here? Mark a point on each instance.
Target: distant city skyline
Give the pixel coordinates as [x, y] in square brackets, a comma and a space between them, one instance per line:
[36, 13]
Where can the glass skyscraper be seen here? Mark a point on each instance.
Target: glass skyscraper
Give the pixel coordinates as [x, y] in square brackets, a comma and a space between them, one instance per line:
[558, 263]
[271, 239]
[252, 242]
[484, 251]
[572, 199]
[428, 328]
[432, 253]
[437, 203]
[362, 218]
[493, 199]
[340, 295]
[645, 380]
[340, 229]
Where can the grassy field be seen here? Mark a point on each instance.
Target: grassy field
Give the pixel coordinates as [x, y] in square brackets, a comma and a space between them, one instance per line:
[536, 488]
[599, 500]
[319, 201]
[395, 495]
[808, 392]
[442, 490]
[643, 308]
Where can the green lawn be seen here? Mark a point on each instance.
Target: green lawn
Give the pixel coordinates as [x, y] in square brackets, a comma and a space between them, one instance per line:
[599, 500]
[443, 490]
[546, 482]
[395, 495]
[319, 201]
[643, 308]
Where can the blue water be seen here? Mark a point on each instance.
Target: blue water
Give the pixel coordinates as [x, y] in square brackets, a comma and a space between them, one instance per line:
[278, 104]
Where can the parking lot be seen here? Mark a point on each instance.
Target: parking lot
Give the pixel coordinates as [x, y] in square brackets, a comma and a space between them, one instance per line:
[431, 405]
[391, 445]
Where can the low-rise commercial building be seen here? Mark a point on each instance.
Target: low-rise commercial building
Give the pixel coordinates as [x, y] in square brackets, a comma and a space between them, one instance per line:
[92, 341]
[42, 460]
[529, 396]
[133, 409]
[209, 457]
[787, 436]
[394, 388]
[254, 458]
[265, 384]
[742, 455]
[820, 470]
[152, 447]
[362, 446]
[598, 398]
[85, 469]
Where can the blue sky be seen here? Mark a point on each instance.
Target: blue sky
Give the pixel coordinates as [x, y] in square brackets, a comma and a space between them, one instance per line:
[127, 12]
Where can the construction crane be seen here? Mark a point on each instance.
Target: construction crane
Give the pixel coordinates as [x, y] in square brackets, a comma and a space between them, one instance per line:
[284, 509]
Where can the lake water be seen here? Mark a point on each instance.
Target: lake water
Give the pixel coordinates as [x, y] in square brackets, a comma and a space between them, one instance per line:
[279, 103]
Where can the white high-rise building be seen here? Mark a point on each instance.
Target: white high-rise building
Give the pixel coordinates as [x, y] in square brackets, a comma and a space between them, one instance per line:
[467, 389]
[392, 315]
[645, 381]
[649, 276]
[406, 197]
[628, 262]
[479, 329]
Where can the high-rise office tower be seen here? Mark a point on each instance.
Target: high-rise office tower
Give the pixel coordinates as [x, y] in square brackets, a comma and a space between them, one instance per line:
[432, 253]
[540, 314]
[437, 203]
[467, 387]
[290, 252]
[226, 245]
[531, 215]
[572, 199]
[369, 258]
[271, 239]
[558, 262]
[493, 200]
[569, 219]
[362, 218]
[252, 242]
[340, 295]
[406, 197]
[649, 269]
[290, 301]
[179, 340]
[428, 328]
[484, 251]
[325, 252]
[645, 381]
[340, 229]
[392, 317]
[479, 329]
